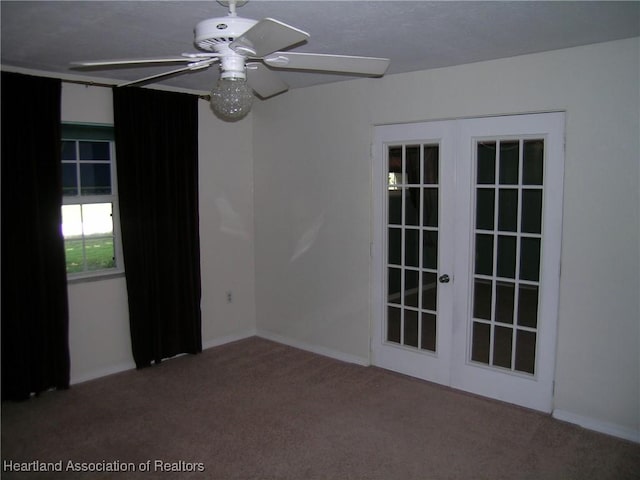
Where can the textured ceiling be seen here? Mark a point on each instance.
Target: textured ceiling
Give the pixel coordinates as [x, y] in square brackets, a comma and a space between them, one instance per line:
[415, 35]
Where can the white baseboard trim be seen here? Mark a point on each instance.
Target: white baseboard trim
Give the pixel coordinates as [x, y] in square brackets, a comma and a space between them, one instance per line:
[327, 352]
[216, 342]
[601, 426]
[102, 372]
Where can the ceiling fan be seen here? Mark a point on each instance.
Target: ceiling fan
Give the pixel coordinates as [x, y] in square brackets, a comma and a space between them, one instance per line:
[246, 51]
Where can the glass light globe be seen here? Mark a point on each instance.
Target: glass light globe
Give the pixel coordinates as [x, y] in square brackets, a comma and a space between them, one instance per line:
[231, 99]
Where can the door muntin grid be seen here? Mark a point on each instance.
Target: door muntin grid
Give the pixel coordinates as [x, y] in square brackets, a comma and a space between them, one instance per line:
[412, 245]
[507, 242]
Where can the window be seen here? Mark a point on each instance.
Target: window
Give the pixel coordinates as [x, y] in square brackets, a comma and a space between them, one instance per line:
[90, 224]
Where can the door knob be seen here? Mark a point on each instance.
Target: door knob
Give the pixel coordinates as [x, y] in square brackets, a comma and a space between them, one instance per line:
[444, 278]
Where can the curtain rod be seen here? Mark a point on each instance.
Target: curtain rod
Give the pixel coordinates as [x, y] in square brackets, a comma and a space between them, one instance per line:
[90, 83]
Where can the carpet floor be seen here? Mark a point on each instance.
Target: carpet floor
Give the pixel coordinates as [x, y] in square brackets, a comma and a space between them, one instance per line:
[255, 409]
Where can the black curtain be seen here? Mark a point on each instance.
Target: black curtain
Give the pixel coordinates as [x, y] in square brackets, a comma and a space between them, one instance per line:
[35, 313]
[156, 135]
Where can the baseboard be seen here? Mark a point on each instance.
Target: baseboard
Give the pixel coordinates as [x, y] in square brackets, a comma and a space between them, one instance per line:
[103, 372]
[327, 352]
[601, 426]
[216, 342]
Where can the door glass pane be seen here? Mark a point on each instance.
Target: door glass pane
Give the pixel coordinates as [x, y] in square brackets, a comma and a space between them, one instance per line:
[532, 163]
[482, 299]
[95, 178]
[69, 179]
[531, 211]
[428, 336]
[481, 342]
[509, 158]
[505, 293]
[529, 258]
[412, 162]
[485, 198]
[429, 291]
[502, 344]
[412, 206]
[430, 217]
[394, 246]
[508, 210]
[486, 163]
[506, 256]
[411, 279]
[484, 254]
[394, 286]
[528, 306]
[430, 249]
[411, 328]
[506, 261]
[525, 351]
[431, 164]
[412, 245]
[393, 324]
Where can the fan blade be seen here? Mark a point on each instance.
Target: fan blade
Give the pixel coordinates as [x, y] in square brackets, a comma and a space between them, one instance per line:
[263, 81]
[267, 36]
[192, 67]
[328, 63]
[130, 61]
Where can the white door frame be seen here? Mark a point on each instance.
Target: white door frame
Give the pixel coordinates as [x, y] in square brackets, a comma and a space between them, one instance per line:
[458, 371]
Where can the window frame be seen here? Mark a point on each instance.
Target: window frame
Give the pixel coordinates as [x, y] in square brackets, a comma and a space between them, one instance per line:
[87, 199]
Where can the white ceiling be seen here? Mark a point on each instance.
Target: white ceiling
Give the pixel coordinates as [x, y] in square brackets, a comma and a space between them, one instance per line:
[415, 35]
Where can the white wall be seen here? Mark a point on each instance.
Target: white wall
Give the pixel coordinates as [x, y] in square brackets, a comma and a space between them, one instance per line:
[98, 312]
[313, 217]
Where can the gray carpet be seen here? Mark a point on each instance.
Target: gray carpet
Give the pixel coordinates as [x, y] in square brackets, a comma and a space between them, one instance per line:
[255, 409]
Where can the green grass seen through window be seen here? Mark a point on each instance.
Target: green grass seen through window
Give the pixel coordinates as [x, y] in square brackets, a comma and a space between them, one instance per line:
[99, 253]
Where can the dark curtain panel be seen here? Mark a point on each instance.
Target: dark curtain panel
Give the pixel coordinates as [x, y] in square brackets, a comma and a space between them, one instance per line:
[35, 313]
[156, 136]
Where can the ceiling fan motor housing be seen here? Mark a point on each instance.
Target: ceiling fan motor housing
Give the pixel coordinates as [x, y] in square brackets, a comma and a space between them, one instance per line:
[214, 34]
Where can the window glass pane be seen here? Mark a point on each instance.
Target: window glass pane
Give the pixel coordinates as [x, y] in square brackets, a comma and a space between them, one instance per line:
[69, 179]
[412, 206]
[429, 249]
[532, 168]
[482, 299]
[95, 178]
[486, 163]
[94, 151]
[506, 257]
[431, 153]
[99, 253]
[430, 216]
[97, 219]
[509, 153]
[484, 254]
[532, 211]
[411, 328]
[485, 198]
[71, 221]
[530, 259]
[68, 150]
[508, 210]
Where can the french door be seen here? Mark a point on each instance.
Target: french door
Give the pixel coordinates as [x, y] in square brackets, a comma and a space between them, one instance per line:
[466, 252]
